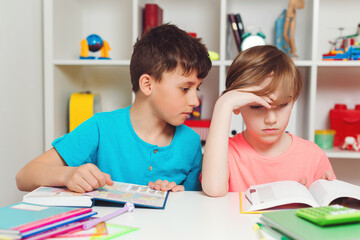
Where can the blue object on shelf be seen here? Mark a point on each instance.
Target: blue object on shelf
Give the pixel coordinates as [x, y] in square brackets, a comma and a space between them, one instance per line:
[95, 42]
[280, 42]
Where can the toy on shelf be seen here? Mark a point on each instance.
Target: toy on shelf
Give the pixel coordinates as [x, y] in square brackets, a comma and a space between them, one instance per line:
[196, 112]
[94, 43]
[344, 48]
[280, 42]
[350, 144]
[351, 53]
[252, 37]
[290, 23]
[213, 55]
[346, 122]
[324, 138]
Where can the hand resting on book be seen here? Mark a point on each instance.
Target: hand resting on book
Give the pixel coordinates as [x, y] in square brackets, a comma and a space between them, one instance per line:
[327, 175]
[166, 186]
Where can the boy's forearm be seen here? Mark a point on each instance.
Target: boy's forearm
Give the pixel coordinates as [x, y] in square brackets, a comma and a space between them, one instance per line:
[49, 169]
[215, 168]
[37, 174]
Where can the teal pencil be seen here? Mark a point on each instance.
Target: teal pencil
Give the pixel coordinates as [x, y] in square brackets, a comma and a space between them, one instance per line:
[272, 232]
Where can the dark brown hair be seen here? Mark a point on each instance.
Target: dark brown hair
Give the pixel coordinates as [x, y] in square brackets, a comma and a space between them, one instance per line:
[252, 66]
[163, 49]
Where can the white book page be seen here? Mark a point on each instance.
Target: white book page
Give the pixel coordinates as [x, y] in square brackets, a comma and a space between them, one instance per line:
[52, 196]
[325, 191]
[278, 193]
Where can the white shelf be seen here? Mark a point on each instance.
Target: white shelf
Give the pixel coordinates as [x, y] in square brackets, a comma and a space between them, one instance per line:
[75, 62]
[338, 63]
[304, 63]
[343, 154]
[79, 62]
[228, 63]
[217, 63]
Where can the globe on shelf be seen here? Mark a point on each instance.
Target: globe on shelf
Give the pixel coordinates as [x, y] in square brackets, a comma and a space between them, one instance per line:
[94, 43]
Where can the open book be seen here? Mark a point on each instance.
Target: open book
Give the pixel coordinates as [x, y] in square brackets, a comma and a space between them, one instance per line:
[283, 194]
[140, 195]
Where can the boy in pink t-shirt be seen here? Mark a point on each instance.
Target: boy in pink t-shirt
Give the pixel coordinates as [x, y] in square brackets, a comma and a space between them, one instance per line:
[262, 84]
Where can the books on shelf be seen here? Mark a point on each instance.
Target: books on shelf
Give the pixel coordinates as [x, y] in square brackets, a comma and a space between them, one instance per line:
[287, 223]
[121, 193]
[153, 16]
[240, 25]
[23, 220]
[289, 194]
[235, 31]
[237, 27]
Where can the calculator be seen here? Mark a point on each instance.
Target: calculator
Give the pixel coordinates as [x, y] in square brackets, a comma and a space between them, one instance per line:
[330, 215]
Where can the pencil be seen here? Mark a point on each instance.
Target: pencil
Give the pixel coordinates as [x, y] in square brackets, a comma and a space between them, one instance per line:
[272, 232]
[258, 232]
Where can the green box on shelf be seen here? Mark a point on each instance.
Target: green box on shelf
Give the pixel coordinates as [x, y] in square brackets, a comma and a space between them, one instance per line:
[325, 138]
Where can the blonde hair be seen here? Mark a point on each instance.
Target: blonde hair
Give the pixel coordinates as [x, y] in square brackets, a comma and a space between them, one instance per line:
[252, 66]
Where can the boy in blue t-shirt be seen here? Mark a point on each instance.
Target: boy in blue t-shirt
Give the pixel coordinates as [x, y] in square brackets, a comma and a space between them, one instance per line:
[144, 143]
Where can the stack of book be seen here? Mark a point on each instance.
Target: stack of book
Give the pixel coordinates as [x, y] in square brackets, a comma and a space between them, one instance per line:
[30, 221]
[51, 211]
[284, 224]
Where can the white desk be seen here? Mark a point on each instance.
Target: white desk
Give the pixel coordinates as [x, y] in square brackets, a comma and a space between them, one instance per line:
[189, 215]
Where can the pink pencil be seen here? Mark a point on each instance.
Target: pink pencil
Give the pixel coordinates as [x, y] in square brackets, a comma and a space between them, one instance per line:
[59, 230]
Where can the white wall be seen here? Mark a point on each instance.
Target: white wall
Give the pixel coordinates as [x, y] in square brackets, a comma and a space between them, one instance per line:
[21, 91]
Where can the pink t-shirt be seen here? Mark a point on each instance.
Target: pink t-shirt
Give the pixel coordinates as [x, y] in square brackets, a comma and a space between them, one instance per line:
[247, 167]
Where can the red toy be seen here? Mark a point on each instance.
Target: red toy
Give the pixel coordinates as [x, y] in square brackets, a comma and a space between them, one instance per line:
[346, 122]
[201, 127]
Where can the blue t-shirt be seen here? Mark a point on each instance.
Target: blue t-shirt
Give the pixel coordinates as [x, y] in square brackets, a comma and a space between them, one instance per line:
[109, 141]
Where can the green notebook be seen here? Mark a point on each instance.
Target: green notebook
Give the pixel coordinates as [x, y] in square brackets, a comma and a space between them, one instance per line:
[295, 227]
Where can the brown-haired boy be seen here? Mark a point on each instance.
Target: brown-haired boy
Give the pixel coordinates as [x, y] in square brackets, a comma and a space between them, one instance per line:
[144, 143]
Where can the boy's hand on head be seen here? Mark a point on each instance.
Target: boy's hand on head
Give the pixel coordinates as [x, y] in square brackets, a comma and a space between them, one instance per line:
[86, 178]
[166, 186]
[328, 176]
